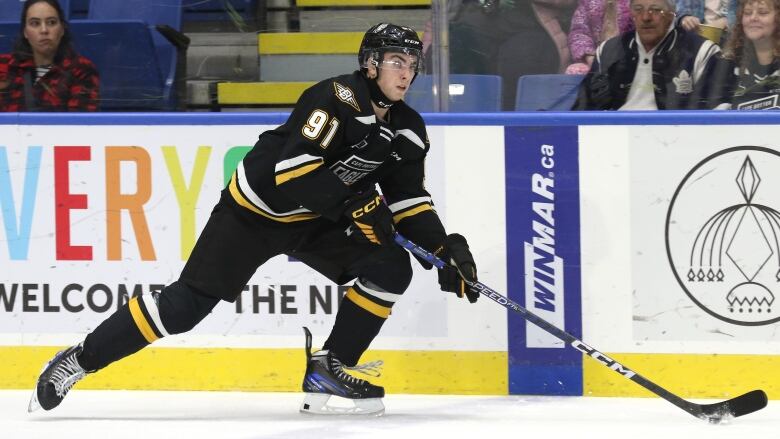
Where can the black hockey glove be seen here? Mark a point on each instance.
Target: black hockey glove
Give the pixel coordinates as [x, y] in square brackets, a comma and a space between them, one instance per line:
[372, 221]
[461, 267]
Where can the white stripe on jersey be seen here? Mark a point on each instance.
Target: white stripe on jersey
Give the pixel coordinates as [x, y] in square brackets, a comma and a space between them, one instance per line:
[255, 199]
[409, 134]
[154, 313]
[386, 133]
[296, 161]
[382, 295]
[366, 120]
[404, 204]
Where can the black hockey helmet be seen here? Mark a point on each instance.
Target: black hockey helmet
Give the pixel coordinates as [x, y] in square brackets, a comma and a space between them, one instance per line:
[386, 37]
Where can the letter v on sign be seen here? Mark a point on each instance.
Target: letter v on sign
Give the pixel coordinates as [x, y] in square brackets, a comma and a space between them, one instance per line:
[17, 233]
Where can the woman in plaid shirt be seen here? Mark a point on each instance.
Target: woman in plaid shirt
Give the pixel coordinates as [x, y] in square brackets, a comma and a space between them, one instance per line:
[44, 73]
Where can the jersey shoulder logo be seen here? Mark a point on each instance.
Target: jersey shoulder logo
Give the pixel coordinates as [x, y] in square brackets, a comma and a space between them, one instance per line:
[346, 95]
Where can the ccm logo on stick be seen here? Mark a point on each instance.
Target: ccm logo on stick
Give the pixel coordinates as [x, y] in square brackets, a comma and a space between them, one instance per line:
[601, 358]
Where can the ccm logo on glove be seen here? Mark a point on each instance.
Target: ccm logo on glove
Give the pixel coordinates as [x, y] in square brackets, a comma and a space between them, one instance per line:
[368, 207]
[372, 221]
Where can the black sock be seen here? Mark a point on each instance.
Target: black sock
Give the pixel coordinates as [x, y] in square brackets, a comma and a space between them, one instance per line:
[354, 330]
[117, 337]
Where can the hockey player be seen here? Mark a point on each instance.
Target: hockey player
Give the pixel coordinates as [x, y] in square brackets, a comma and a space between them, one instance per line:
[307, 189]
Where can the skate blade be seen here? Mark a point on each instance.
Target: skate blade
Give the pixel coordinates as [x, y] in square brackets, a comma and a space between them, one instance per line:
[318, 404]
[34, 405]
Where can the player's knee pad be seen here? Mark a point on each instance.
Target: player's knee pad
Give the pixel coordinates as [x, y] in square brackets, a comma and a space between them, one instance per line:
[181, 307]
[391, 273]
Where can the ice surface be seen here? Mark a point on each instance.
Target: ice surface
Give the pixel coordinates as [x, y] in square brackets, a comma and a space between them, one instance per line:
[217, 415]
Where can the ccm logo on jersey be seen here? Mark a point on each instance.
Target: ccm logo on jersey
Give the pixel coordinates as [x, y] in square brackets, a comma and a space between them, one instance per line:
[367, 208]
[346, 95]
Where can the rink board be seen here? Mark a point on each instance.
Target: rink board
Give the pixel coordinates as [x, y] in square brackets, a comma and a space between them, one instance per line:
[567, 214]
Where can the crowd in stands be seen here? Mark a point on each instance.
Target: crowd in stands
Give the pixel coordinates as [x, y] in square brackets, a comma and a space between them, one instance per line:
[631, 54]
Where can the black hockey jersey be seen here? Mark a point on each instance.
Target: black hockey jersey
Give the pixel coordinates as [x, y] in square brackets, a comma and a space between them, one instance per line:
[322, 156]
[758, 86]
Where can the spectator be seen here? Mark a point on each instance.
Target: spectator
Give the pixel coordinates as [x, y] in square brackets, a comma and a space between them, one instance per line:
[753, 56]
[657, 66]
[716, 13]
[509, 38]
[44, 73]
[595, 21]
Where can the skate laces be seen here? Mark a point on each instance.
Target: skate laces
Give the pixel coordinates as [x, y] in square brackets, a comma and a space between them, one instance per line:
[371, 369]
[66, 375]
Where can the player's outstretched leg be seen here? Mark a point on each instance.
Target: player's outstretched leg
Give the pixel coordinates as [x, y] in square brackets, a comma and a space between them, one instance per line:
[326, 377]
[57, 378]
[134, 326]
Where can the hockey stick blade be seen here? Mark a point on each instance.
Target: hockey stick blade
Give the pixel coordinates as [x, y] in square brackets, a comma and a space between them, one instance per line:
[739, 406]
[714, 413]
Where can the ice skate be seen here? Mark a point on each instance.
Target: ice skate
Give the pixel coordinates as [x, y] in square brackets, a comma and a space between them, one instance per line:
[57, 377]
[330, 390]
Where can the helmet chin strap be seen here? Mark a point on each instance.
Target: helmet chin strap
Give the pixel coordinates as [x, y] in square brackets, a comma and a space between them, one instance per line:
[377, 96]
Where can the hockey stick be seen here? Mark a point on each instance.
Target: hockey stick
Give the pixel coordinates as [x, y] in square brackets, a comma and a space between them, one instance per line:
[720, 411]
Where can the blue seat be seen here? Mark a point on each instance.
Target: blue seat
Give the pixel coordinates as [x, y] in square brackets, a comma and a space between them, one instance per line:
[124, 54]
[11, 10]
[220, 10]
[467, 93]
[78, 9]
[8, 32]
[163, 21]
[547, 92]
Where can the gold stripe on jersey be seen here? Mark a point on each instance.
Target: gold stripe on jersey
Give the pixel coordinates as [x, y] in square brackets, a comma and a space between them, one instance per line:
[411, 212]
[140, 320]
[297, 172]
[235, 191]
[373, 308]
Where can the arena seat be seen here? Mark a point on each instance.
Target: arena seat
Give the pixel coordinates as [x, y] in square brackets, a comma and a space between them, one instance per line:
[123, 52]
[8, 32]
[78, 9]
[216, 10]
[547, 92]
[467, 93]
[162, 19]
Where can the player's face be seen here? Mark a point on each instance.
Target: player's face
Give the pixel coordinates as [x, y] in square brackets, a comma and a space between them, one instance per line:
[758, 20]
[398, 70]
[43, 29]
[652, 19]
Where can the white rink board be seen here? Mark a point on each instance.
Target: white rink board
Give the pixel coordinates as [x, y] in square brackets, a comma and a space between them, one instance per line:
[424, 319]
[632, 301]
